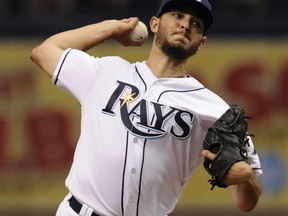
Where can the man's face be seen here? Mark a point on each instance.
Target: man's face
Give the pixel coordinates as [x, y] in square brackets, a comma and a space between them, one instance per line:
[180, 34]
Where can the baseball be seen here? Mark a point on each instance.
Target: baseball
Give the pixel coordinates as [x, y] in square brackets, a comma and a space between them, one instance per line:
[139, 33]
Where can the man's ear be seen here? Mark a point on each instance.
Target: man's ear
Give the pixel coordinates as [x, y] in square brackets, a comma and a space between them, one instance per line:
[154, 24]
[202, 42]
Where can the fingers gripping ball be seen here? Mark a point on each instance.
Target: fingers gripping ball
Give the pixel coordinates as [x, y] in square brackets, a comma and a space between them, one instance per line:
[139, 33]
[227, 139]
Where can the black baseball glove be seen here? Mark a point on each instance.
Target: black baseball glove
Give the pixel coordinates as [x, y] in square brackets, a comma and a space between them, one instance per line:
[227, 139]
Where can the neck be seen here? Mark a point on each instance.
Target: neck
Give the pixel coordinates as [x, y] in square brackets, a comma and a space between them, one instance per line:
[164, 67]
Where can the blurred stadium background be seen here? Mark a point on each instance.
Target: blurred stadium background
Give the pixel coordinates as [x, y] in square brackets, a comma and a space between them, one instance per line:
[245, 61]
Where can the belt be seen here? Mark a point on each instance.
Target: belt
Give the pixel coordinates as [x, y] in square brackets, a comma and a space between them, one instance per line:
[76, 206]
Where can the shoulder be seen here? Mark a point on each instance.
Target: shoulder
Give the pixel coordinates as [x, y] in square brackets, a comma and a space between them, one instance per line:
[115, 60]
[209, 105]
[79, 54]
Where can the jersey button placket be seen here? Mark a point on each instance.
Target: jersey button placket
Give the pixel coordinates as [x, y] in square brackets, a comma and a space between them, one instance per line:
[132, 176]
[154, 87]
[133, 170]
[135, 141]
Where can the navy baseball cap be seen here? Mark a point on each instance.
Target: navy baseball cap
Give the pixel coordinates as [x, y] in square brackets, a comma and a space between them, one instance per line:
[202, 7]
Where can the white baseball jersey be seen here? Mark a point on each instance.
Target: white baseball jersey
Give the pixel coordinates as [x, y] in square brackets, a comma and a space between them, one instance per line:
[141, 137]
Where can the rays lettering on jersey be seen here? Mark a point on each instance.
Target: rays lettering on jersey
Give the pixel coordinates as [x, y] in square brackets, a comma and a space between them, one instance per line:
[148, 119]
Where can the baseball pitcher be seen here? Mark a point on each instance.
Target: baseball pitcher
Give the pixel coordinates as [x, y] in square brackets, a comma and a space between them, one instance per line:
[147, 126]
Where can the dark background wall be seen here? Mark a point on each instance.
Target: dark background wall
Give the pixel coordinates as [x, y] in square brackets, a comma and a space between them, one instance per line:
[264, 18]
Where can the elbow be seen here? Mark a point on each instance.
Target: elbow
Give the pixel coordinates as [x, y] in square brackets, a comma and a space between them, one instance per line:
[41, 53]
[41, 56]
[46, 56]
[246, 195]
[247, 208]
[251, 201]
[34, 55]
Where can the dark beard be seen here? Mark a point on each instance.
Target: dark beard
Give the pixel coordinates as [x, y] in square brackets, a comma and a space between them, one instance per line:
[178, 52]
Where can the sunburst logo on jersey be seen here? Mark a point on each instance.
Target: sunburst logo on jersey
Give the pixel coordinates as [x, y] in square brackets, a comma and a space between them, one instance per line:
[128, 97]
